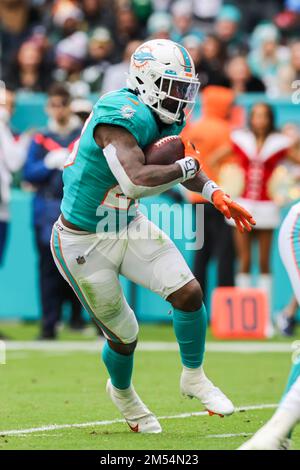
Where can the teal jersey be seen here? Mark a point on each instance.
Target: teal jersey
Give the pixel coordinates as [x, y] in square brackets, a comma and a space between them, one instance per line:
[93, 199]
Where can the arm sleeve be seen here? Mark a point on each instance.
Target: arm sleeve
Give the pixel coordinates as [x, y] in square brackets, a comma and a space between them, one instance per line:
[128, 187]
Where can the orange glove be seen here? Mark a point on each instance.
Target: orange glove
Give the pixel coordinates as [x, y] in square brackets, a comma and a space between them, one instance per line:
[242, 218]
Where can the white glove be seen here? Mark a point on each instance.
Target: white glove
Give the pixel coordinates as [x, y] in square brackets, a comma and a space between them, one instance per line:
[189, 166]
[56, 159]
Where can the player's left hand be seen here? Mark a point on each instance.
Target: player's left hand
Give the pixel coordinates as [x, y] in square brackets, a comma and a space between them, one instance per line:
[230, 209]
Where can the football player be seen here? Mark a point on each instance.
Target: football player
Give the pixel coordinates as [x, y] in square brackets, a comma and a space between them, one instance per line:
[103, 178]
[276, 433]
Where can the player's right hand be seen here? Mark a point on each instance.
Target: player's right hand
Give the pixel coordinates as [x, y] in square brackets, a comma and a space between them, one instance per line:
[230, 209]
[189, 166]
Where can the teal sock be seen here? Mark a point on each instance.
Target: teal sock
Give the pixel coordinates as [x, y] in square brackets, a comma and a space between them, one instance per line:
[190, 331]
[294, 374]
[119, 367]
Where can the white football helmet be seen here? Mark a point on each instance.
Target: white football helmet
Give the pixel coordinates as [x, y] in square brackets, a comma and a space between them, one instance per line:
[163, 74]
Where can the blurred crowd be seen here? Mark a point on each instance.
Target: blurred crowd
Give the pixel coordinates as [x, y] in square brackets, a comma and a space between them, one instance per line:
[87, 43]
[70, 49]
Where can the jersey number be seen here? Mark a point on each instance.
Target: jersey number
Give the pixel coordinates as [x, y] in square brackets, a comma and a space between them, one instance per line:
[116, 199]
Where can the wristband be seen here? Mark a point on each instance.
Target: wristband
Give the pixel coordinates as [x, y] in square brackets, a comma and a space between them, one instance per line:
[208, 189]
[189, 167]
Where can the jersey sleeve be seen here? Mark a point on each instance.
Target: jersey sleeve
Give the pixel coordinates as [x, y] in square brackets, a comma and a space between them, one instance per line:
[120, 109]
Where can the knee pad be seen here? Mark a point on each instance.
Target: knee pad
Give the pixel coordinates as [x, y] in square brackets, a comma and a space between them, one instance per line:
[104, 293]
[128, 327]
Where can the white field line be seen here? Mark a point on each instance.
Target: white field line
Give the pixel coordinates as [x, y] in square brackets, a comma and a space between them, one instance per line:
[26, 355]
[55, 427]
[96, 346]
[42, 434]
[226, 436]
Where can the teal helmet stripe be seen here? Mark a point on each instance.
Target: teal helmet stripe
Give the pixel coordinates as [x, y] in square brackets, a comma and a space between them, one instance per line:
[186, 57]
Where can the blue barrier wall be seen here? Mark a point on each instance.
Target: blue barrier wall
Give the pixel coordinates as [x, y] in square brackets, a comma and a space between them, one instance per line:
[18, 276]
[30, 110]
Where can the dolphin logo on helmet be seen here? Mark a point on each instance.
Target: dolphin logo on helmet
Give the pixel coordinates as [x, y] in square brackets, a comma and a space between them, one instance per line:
[143, 56]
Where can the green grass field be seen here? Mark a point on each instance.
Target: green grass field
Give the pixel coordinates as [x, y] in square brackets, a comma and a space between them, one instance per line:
[43, 388]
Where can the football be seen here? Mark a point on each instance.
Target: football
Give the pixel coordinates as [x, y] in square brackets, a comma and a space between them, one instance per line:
[165, 151]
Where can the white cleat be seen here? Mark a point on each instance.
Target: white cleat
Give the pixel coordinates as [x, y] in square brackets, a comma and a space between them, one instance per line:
[135, 412]
[266, 439]
[195, 384]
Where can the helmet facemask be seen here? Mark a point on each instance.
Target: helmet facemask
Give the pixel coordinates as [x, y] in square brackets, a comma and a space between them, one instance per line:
[174, 96]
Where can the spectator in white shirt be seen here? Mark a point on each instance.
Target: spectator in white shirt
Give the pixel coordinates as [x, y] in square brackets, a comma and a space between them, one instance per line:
[12, 156]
